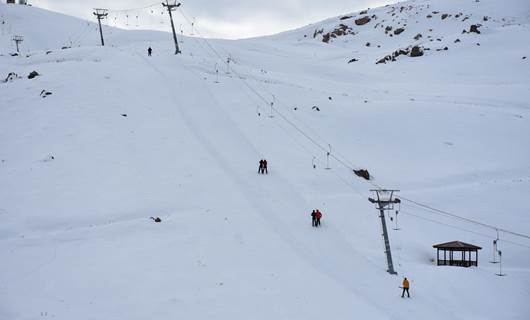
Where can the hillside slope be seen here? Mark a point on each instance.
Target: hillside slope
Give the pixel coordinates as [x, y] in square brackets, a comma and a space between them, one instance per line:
[124, 137]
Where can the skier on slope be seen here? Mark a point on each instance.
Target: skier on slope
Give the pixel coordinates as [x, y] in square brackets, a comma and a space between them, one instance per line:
[318, 215]
[314, 218]
[149, 51]
[260, 169]
[405, 287]
[265, 169]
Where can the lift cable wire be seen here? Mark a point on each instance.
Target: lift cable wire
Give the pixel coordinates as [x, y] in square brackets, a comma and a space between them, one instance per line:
[342, 160]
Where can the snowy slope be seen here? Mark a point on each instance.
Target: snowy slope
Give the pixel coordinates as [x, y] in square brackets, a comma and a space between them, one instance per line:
[450, 129]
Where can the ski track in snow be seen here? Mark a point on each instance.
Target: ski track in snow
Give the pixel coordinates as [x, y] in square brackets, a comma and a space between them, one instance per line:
[316, 255]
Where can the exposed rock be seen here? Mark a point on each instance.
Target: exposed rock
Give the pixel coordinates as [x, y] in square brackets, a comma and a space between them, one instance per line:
[157, 219]
[363, 173]
[382, 60]
[48, 52]
[524, 58]
[345, 17]
[353, 60]
[364, 12]
[457, 40]
[124, 115]
[11, 76]
[317, 32]
[398, 31]
[341, 30]
[45, 93]
[418, 36]
[445, 15]
[33, 74]
[388, 28]
[367, 44]
[362, 21]
[316, 108]
[416, 51]
[429, 16]
[474, 28]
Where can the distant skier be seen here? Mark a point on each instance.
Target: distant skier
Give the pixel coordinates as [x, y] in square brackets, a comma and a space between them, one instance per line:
[318, 216]
[405, 287]
[265, 169]
[314, 218]
[260, 169]
[149, 51]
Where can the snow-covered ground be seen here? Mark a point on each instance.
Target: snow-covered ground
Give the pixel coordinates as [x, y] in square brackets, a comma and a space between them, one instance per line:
[124, 137]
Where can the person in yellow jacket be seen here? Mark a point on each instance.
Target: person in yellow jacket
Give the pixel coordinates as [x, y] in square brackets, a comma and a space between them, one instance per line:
[406, 286]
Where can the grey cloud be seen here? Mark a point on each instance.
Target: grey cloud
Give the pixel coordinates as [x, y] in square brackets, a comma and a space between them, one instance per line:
[220, 18]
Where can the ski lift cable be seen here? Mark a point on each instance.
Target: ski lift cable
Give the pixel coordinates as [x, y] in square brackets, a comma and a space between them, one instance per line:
[332, 155]
[341, 159]
[446, 213]
[421, 217]
[267, 102]
[134, 9]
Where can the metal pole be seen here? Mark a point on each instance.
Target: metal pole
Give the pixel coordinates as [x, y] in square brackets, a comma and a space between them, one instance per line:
[170, 8]
[100, 14]
[101, 31]
[387, 243]
[177, 50]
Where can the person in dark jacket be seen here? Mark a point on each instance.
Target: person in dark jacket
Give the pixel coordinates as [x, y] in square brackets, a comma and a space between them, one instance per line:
[314, 218]
[260, 169]
[265, 169]
[149, 51]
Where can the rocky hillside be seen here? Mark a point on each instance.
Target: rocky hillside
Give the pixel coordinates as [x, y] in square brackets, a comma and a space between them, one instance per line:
[416, 28]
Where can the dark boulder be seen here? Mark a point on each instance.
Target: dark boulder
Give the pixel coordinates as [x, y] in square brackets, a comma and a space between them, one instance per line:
[416, 51]
[363, 173]
[418, 36]
[362, 21]
[474, 28]
[33, 74]
[398, 31]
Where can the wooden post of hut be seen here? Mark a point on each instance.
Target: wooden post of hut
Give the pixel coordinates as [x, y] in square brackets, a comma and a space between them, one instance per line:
[464, 256]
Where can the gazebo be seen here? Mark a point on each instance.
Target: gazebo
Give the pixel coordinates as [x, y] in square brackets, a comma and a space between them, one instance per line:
[463, 256]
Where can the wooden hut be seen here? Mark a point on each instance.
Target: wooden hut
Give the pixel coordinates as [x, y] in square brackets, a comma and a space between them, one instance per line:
[457, 253]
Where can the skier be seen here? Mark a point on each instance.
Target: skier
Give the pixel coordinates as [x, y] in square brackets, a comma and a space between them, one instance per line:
[405, 287]
[265, 169]
[314, 218]
[149, 51]
[318, 215]
[260, 169]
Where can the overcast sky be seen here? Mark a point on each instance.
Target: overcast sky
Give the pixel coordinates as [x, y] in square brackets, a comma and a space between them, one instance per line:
[216, 18]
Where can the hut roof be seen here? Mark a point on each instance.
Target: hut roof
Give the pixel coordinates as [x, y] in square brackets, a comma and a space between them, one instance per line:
[456, 245]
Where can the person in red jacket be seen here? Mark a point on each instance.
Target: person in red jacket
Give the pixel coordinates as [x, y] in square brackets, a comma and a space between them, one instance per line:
[318, 215]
